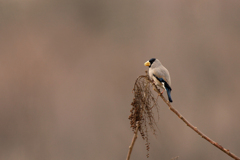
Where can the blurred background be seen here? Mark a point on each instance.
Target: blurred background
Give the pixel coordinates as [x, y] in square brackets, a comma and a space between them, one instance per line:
[67, 71]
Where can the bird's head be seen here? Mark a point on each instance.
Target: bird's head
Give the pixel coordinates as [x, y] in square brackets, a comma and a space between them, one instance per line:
[150, 62]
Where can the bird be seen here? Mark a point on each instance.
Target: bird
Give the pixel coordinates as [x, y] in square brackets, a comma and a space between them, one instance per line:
[160, 75]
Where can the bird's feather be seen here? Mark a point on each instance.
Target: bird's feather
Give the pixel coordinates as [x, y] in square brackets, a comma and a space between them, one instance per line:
[166, 86]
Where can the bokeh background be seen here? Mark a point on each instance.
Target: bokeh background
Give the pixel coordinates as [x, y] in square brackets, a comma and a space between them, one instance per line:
[68, 67]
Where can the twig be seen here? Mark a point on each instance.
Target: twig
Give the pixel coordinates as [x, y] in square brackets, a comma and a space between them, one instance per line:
[175, 158]
[133, 141]
[191, 126]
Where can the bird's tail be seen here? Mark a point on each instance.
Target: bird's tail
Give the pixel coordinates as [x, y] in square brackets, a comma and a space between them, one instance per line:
[169, 94]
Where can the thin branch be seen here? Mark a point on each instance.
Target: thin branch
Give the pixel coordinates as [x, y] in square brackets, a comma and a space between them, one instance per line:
[133, 141]
[191, 126]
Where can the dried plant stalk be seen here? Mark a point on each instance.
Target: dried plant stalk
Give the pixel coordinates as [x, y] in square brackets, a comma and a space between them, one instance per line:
[175, 158]
[142, 117]
[143, 104]
[193, 127]
[133, 141]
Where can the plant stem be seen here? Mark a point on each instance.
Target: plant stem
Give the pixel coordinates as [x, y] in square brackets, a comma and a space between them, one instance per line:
[133, 141]
[193, 127]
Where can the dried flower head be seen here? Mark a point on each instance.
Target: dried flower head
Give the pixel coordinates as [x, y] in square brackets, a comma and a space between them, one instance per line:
[142, 108]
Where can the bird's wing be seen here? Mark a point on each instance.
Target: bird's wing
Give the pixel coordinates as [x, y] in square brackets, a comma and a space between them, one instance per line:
[166, 85]
[162, 72]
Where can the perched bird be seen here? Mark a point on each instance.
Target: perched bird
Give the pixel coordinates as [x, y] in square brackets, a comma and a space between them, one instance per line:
[160, 75]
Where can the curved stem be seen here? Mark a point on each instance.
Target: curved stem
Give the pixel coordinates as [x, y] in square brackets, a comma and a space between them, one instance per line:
[193, 127]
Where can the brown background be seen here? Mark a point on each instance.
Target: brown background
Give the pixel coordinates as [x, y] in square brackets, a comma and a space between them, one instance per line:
[67, 70]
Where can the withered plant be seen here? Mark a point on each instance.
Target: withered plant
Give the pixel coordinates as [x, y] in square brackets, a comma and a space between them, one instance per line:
[142, 108]
[142, 114]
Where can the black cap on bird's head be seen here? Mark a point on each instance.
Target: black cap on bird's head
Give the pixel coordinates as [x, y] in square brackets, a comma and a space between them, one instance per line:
[150, 62]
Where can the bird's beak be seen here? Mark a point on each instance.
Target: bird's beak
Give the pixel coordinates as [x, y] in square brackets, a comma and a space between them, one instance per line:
[147, 63]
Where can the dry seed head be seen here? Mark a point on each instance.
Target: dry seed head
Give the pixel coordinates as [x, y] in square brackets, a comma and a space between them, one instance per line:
[142, 108]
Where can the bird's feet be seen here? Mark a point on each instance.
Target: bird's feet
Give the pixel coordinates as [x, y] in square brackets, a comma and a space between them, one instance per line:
[162, 92]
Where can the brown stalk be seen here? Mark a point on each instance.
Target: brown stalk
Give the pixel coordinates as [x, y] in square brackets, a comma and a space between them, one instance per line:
[133, 142]
[191, 126]
[142, 115]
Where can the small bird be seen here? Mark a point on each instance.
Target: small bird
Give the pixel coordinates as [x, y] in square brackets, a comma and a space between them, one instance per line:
[160, 75]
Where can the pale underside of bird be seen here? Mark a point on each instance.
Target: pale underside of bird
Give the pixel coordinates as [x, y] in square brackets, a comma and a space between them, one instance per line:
[160, 75]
